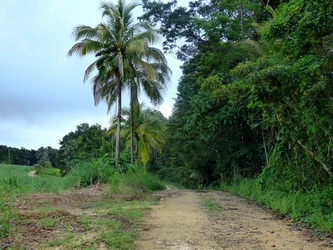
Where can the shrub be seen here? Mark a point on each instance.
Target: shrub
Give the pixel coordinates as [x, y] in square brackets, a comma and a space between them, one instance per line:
[50, 171]
[115, 181]
[84, 174]
[138, 177]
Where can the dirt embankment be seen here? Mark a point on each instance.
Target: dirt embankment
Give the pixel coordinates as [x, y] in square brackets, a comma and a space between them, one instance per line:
[203, 220]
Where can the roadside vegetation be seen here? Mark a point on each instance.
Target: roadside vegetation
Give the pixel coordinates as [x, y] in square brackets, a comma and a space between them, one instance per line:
[311, 209]
[70, 212]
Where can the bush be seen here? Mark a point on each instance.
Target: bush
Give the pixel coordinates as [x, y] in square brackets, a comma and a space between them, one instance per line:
[115, 181]
[87, 173]
[138, 177]
[50, 171]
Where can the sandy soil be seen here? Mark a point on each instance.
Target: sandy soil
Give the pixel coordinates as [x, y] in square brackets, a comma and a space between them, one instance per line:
[183, 221]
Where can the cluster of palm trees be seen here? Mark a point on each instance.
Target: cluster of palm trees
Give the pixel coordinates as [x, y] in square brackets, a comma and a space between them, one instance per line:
[125, 59]
[148, 127]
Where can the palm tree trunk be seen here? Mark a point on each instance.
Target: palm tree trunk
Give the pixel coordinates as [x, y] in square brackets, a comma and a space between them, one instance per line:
[121, 82]
[132, 124]
[118, 128]
[136, 150]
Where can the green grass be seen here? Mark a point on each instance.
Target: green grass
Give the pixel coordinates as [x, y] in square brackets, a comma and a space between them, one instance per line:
[109, 221]
[50, 171]
[138, 177]
[14, 180]
[85, 221]
[14, 170]
[213, 206]
[313, 208]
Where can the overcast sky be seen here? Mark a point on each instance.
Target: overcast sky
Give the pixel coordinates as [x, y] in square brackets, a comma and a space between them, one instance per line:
[42, 96]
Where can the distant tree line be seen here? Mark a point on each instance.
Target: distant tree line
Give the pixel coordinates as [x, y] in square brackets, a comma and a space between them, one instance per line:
[23, 156]
[85, 143]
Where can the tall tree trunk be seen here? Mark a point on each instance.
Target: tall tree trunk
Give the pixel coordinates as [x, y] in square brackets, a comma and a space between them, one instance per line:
[121, 82]
[132, 123]
[118, 127]
[136, 149]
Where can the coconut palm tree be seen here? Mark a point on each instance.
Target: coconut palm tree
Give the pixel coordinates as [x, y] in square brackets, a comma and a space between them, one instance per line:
[123, 56]
[148, 130]
[150, 73]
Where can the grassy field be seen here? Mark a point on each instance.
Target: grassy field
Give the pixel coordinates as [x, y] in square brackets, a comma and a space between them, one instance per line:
[39, 213]
[7, 170]
[14, 180]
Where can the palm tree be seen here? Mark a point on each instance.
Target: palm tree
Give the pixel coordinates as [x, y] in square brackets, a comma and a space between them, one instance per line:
[43, 157]
[123, 53]
[150, 73]
[148, 130]
[43, 160]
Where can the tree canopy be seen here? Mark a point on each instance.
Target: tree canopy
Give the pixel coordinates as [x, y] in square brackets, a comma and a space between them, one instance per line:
[255, 96]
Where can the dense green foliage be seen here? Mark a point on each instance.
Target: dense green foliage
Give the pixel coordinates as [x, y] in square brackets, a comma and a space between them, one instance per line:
[43, 157]
[90, 172]
[255, 95]
[209, 137]
[15, 180]
[22, 156]
[85, 143]
[148, 130]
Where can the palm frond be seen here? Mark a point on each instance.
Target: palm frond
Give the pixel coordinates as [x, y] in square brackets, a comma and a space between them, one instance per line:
[85, 47]
[84, 32]
[89, 70]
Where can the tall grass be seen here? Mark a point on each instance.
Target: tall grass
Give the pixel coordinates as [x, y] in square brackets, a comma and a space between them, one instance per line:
[89, 172]
[7, 213]
[312, 207]
[14, 170]
[14, 179]
[138, 177]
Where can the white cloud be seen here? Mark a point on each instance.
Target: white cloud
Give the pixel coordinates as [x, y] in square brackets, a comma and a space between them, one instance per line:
[166, 110]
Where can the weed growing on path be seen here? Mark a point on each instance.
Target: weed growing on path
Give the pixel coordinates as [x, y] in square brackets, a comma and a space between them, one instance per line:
[212, 205]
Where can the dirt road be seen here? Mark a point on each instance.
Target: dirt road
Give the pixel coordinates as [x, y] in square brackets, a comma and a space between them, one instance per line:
[188, 220]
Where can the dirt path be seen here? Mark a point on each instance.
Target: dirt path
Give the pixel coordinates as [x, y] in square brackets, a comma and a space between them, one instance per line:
[32, 173]
[203, 220]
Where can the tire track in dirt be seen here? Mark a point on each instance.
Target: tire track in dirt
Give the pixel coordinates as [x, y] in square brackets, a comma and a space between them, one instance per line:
[182, 221]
